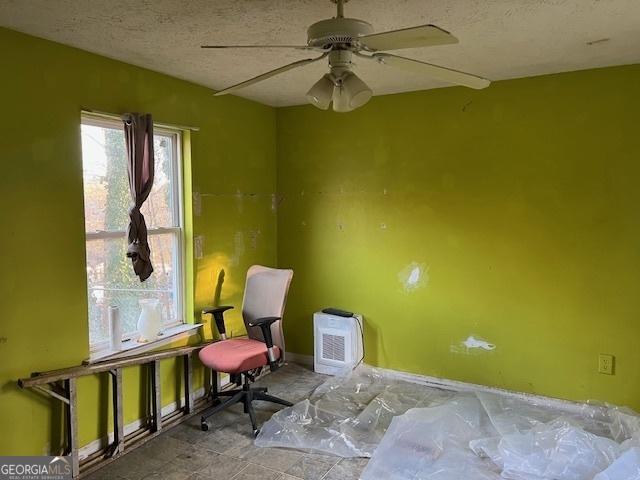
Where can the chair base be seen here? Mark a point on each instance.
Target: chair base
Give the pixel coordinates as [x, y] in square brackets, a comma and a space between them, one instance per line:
[246, 395]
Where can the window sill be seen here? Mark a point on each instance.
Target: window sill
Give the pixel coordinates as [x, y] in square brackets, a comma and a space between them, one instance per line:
[132, 347]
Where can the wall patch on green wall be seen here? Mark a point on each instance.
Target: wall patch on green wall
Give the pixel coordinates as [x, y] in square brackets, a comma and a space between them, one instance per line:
[414, 276]
[473, 344]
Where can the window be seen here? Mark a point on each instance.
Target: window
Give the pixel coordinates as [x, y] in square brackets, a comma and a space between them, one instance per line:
[110, 276]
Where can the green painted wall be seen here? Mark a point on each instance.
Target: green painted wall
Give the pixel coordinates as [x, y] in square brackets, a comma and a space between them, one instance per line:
[520, 202]
[43, 319]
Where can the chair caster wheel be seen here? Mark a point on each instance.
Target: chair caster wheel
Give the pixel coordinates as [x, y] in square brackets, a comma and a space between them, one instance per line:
[256, 432]
[204, 426]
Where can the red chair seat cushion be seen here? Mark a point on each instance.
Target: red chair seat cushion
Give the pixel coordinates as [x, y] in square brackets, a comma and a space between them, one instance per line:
[236, 355]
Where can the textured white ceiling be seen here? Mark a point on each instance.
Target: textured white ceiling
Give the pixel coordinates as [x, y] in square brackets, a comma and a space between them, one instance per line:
[499, 39]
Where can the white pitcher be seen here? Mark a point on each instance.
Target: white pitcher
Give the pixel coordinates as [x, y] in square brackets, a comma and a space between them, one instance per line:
[149, 321]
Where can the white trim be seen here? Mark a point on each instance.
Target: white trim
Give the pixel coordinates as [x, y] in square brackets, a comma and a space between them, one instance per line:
[307, 360]
[101, 443]
[178, 193]
[132, 347]
[454, 385]
[106, 234]
[104, 122]
[100, 350]
[96, 115]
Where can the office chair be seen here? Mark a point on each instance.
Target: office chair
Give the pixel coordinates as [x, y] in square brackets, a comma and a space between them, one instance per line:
[265, 295]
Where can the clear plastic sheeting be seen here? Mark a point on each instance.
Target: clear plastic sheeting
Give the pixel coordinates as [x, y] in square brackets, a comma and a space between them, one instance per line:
[510, 414]
[557, 450]
[414, 431]
[347, 415]
[537, 441]
[626, 467]
[433, 443]
[624, 424]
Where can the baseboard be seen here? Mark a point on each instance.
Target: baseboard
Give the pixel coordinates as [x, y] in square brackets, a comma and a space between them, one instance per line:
[101, 443]
[306, 360]
[436, 382]
[454, 385]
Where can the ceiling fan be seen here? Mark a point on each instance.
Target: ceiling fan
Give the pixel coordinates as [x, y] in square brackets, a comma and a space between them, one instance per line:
[341, 39]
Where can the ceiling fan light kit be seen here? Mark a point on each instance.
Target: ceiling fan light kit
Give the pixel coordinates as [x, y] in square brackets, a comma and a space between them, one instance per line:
[321, 94]
[341, 38]
[342, 87]
[357, 92]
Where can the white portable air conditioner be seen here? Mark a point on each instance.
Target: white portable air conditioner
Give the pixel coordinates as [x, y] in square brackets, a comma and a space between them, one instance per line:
[338, 342]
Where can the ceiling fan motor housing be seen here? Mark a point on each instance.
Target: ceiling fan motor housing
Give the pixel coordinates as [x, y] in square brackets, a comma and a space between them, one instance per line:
[340, 39]
[337, 31]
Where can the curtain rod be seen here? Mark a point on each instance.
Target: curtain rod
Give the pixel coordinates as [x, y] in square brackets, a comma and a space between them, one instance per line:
[98, 113]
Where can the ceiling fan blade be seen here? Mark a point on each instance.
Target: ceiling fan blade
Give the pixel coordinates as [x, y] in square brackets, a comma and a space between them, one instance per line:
[296, 47]
[434, 71]
[422, 36]
[272, 73]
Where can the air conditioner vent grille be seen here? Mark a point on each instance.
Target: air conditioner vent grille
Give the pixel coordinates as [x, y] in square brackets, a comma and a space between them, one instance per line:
[333, 347]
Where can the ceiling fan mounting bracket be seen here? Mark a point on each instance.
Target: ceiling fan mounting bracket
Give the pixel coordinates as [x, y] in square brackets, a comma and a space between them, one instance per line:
[340, 7]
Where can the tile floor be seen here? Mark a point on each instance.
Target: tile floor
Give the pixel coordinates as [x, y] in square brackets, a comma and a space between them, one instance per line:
[226, 451]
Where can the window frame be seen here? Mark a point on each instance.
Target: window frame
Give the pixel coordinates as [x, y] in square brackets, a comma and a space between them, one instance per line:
[178, 212]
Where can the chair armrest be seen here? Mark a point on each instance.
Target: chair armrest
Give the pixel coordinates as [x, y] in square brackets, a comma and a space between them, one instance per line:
[264, 320]
[218, 316]
[265, 325]
[216, 309]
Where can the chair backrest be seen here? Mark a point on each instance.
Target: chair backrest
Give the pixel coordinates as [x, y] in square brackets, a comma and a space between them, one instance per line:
[265, 295]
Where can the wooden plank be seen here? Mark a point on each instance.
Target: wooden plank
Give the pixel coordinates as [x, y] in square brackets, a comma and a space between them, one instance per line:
[156, 396]
[52, 392]
[188, 383]
[118, 412]
[72, 425]
[82, 370]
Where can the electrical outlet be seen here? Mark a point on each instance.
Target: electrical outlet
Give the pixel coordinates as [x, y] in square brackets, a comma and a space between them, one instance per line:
[606, 364]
